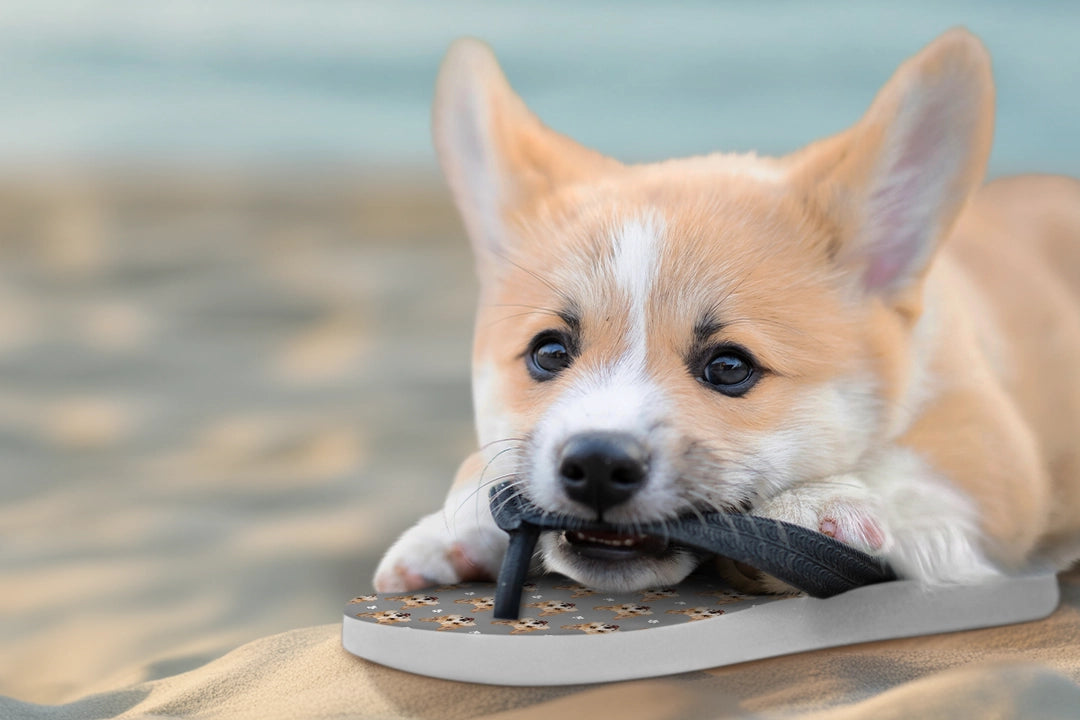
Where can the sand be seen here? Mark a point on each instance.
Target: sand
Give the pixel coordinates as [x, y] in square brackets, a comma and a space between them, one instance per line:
[212, 392]
[221, 397]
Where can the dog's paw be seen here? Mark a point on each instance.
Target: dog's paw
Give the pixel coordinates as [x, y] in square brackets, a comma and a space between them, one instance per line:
[434, 552]
[840, 507]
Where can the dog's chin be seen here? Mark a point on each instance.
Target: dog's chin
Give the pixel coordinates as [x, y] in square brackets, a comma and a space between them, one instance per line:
[616, 565]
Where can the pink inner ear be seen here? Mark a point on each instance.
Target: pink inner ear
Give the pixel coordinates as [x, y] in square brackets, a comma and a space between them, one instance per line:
[903, 208]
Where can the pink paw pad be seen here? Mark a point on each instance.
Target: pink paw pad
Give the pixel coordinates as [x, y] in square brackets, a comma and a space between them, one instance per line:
[463, 565]
[402, 580]
[854, 529]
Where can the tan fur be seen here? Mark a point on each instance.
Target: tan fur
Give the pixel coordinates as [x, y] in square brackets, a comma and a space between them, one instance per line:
[1014, 270]
[967, 356]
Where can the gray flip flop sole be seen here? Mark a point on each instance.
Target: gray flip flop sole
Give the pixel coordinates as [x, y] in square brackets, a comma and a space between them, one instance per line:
[568, 634]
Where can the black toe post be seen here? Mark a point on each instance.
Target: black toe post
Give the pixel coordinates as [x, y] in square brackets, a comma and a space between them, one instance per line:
[507, 507]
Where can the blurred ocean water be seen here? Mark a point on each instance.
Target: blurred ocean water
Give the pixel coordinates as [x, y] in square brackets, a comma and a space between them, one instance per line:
[335, 81]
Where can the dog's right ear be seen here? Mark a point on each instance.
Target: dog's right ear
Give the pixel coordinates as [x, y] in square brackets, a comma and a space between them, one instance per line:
[496, 154]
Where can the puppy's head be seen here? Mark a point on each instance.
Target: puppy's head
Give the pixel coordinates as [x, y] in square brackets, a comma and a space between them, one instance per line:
[654, 340]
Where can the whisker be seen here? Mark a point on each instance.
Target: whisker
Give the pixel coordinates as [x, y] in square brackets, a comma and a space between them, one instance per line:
[538, 308]
[517, 315]
[550, 285]
[476, 491]
[485, 446]
[481, 483]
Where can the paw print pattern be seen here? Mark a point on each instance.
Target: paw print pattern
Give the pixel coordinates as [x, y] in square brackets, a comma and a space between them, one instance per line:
[553, 607]
[451, 622]
[415, 601]
[449, 588]
[479, 604]
[577, 591]
[658, 594]
[626, 610]
[697, 613]
[523, 625]
[386, 617]
[723, 597]
[593, 628]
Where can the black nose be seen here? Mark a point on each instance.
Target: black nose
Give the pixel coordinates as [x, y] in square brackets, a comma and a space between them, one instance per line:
[602, 469]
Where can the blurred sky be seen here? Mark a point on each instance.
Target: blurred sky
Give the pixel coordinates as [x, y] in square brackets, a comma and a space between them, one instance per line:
[336, 81]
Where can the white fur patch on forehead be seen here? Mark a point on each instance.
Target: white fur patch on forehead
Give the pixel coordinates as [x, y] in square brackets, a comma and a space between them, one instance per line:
[637, 252]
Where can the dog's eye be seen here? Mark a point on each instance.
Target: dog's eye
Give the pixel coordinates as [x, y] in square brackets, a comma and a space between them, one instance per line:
[730, 371]
[547, 356]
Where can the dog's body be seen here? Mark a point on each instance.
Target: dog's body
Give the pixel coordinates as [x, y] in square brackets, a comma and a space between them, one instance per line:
[850, 338]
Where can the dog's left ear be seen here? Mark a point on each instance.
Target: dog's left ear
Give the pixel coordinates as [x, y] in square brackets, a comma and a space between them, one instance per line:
[895, 182]
[496, 154]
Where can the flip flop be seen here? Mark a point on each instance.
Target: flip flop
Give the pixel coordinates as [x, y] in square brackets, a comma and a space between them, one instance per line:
[565, 633]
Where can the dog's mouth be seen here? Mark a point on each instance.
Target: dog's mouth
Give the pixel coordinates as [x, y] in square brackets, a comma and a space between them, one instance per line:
[614, 546]
[617, 561]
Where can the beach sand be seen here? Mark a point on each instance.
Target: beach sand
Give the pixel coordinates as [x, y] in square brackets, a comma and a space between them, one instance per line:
[222, 395]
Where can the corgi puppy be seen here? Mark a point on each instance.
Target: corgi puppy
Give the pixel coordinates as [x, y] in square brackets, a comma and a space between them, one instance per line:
[856, 338]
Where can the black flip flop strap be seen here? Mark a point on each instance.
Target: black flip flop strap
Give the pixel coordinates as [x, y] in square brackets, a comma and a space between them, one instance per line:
[812, 562]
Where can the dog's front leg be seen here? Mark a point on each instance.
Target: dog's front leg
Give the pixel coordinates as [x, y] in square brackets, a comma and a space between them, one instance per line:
[460, 542]
[901, 509]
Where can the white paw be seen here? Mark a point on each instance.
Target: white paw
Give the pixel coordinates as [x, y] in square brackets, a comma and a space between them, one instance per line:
[900, 510]
[840, 507]
[439, 551]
